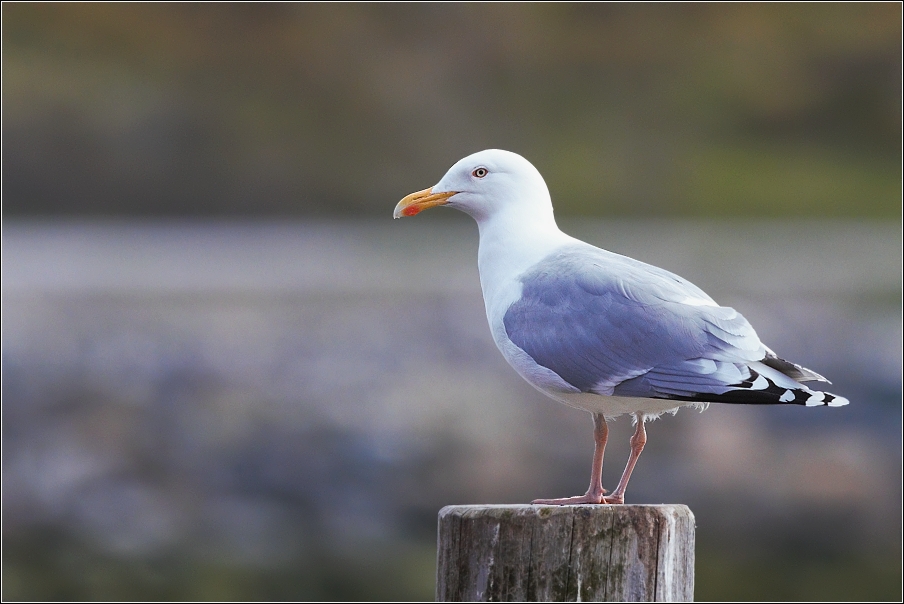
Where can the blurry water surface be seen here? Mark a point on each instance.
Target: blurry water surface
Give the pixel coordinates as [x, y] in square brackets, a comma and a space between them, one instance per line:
[203, 410]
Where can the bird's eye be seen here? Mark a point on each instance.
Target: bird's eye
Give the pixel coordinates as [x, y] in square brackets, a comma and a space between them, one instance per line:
[479, 172]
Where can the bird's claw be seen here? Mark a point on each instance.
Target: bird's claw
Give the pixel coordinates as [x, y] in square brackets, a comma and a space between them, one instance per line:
[585, 499]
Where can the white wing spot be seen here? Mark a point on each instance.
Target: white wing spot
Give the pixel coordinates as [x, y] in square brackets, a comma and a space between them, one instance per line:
[815, 399]
[787, 397]
[760, 383]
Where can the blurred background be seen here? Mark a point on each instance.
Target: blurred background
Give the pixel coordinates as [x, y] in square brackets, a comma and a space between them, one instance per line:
[227, 374]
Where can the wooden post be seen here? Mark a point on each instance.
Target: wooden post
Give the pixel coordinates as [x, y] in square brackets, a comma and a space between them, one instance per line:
[589, 553]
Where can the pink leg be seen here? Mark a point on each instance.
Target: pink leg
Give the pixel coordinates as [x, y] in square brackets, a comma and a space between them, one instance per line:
[596, 491]
[637, 443]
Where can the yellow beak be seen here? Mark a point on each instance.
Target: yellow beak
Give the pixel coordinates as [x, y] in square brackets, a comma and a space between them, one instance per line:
[422, 200]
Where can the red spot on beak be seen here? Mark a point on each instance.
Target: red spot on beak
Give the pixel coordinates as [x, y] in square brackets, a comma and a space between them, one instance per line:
[411, 210]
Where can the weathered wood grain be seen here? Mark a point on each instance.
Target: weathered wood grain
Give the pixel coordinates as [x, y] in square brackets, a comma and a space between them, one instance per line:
[589, 553]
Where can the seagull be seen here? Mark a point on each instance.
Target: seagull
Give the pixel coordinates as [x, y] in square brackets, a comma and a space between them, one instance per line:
[597, 330]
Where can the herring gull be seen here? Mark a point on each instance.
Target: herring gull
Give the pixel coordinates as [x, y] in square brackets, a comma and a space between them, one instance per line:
[600, 331]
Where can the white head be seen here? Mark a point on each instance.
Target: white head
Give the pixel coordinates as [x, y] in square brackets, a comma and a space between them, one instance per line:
[483, 185]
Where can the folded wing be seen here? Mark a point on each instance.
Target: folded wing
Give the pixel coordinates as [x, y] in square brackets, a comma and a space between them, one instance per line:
[611, 325]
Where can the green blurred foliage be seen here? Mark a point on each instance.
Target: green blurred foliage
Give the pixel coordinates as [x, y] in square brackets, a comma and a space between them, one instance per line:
[298, 109]
[52, 566]
[724, 578]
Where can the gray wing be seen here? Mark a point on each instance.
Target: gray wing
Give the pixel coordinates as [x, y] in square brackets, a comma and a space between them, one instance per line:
[612, 325]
